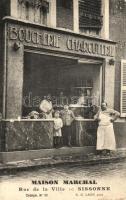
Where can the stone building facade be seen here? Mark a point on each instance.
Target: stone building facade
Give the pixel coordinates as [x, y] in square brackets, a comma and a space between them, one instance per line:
[54, 46]
[117, 33]
[117, 27]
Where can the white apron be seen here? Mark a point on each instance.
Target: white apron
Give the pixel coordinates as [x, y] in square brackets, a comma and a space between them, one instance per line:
[58, 124]
[105, 133]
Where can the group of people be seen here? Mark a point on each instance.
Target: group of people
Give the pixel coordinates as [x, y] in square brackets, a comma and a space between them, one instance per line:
[62, 125]
[63, 119]
[62, 122]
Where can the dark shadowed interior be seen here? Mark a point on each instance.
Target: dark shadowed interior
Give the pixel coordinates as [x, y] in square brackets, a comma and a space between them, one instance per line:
[45, 74]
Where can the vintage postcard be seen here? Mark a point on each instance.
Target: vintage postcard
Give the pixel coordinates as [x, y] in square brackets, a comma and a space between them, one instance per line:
[62, 100]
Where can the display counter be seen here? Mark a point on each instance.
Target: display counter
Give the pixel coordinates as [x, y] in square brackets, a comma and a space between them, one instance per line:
[33, 134]
[26, 134]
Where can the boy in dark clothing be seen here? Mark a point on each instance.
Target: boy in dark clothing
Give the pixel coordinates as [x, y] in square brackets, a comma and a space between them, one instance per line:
[67, 117]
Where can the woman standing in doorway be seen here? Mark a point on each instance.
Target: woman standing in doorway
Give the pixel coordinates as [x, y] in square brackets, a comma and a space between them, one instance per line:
[105, 133]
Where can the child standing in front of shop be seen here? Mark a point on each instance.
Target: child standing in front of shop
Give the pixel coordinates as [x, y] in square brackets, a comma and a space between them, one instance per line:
[67, 116]
[58, 124]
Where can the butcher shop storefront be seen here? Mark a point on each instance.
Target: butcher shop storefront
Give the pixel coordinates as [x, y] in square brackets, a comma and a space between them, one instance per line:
[74, 69]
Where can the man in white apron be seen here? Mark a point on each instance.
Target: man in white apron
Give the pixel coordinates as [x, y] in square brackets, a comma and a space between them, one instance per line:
[105, 133]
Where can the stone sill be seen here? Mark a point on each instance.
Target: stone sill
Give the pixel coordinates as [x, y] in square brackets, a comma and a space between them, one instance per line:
[43, 120]
[27, 120]
[120, 120]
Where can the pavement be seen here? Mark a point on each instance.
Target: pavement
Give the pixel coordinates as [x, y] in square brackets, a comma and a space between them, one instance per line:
[89, 159]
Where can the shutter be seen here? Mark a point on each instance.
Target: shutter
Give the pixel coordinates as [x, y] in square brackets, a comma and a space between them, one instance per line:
[123, 88]
[90, 14]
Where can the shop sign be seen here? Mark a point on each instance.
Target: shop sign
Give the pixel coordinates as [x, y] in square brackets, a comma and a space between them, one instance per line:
[62, 42]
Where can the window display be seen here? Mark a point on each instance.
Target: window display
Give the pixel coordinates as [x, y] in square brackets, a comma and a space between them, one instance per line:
[76, 85]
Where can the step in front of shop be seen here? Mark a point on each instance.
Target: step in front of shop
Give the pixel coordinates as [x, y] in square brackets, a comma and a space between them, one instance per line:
[61, 159]
[16, 156]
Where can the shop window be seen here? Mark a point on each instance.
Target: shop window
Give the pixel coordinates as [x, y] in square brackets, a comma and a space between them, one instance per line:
[123, 88]
[64, 10]
[90, 19]
[66, 80]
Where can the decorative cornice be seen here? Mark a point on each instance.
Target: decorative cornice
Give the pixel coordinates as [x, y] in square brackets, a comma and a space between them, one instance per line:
[8, 19]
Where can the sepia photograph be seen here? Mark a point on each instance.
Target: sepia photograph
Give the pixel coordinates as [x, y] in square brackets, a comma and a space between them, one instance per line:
[62, 99]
